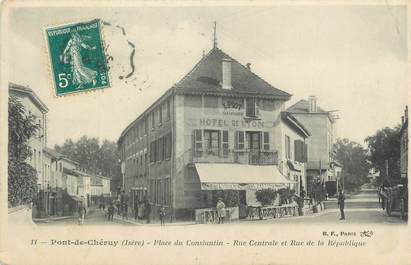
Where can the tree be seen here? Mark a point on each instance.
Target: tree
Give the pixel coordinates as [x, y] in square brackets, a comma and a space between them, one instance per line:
[93, 157]
[22, 177]
[355, 167]
[383, 146]
[266, 196]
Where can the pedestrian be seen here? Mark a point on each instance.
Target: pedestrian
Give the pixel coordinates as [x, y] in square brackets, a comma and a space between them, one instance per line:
[124, 209]
[220, 210]
[110, 211]
[341, 199]
[135, 210]
[81, 212]
[147, 208]
[162, 214]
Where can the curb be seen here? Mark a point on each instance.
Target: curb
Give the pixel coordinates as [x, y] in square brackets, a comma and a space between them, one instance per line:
[151, 224]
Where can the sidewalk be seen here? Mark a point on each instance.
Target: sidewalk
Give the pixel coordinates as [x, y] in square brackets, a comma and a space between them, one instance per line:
[144, 222]
[58, 218]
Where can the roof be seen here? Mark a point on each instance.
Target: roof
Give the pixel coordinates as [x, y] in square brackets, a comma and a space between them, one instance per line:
[30, 93]
[302, 106]
[52, 153]
[206, 76]
[235, 176]
[69, 171]
[294, 124]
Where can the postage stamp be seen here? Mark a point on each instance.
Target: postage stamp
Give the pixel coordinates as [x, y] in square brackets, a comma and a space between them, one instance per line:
[77, 57]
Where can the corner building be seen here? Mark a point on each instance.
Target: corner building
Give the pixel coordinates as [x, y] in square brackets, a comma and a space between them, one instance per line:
[220, 128]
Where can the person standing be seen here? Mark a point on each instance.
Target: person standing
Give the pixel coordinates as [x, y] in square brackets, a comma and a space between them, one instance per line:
[81, 212]
[341, 199]
[110, 211]
[162, 214]
[220, 210]
[147, 211]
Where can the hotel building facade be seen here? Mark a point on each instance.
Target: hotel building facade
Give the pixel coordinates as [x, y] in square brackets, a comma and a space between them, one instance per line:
[221, 128]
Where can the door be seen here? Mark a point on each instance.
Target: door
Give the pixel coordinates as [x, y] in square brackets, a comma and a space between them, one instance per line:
[242, 204]
[254, 145]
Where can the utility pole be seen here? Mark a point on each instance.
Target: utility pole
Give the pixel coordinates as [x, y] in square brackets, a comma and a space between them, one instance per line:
[215, 35]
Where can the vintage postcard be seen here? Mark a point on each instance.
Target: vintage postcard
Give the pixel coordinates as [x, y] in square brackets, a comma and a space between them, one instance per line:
[203, 132]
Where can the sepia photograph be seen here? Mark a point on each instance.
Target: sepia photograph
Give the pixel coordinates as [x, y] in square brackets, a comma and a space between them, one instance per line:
[202, 117]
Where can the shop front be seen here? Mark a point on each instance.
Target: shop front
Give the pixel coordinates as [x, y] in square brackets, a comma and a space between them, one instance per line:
[236, 185]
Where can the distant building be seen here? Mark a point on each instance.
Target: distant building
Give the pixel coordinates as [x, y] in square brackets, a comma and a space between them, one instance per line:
[321, 164]
[404, 144]
[219, 129]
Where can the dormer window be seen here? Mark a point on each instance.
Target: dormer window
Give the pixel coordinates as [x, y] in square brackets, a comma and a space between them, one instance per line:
[251, 107]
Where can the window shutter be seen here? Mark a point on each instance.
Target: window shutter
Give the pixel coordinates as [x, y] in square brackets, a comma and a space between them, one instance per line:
[225, 143]
[296, 150]
[305, 153]
[198, 142]
[240, 140]
[257, 107]
[266, 141]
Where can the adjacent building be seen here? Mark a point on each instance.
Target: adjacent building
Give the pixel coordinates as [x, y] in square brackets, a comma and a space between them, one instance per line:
[321, 165]
[404, 145]
[220, 129]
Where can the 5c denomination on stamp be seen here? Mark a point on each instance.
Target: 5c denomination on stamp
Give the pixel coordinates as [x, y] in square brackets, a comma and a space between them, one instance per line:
[77, 58]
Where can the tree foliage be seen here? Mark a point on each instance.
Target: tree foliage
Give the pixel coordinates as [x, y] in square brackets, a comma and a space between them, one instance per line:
[92, 156]
[266, 196]
[355, 167]
[385, 145]
[22, 179]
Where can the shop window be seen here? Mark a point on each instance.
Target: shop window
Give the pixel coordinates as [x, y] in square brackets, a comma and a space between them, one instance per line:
[212, 141]
[240, 143]
[287, 147]
[225, 145]
[266, 141]
[198, 142]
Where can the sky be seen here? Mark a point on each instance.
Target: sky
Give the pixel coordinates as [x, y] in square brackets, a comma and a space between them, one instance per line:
[353, 58]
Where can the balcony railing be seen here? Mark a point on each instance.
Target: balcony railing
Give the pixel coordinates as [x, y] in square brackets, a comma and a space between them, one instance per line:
[251, 157]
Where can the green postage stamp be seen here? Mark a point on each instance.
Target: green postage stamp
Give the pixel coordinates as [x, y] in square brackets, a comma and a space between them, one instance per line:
[77, 57]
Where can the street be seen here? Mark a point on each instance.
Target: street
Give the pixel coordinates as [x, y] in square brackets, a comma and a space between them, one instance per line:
[95, 217]
[361, 208]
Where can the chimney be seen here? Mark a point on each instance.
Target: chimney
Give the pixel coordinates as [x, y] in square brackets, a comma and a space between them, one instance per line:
[226, 66]
[248, 66]
[312, 104]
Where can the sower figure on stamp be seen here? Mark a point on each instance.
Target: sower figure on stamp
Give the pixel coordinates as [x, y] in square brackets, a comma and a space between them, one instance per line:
[220, 210]
[341, 199]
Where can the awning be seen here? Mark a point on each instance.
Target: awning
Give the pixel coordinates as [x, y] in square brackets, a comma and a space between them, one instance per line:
[221, 176]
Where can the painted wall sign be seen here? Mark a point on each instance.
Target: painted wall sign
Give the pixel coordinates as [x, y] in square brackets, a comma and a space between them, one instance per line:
[223, 123]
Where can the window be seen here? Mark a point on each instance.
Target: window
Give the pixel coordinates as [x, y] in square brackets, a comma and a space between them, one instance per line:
[266, 141]
[254, 140]
[250, 107]
[240, 140]
[146, 126]
[212, 141]
[160, 114]
[160, 146]
[152, 152]
[287, 147]
[198, 142]
[225, 143]
[168, 115]
[211, 105]
[152, 120]
[167, 146]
